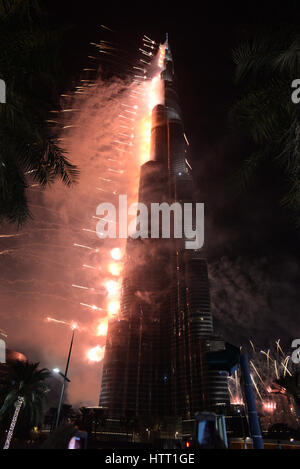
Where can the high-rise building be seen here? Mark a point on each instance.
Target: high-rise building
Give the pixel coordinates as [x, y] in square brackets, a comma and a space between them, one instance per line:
[155, 364]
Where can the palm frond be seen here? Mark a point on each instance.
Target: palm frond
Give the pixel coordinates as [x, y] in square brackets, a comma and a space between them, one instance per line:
[288, 60]
[264, 112]
[253, 58]
[29, 61]
[28, 381]
[241, 178]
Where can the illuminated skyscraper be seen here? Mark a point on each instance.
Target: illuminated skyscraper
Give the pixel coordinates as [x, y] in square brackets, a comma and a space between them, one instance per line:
[155, 360]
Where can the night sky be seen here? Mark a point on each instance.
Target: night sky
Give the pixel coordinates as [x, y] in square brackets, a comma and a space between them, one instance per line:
[249, 231]
[251, 243]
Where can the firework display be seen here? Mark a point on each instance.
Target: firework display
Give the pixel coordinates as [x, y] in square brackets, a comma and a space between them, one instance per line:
[128, 149]
[149, 238]
[272, 372]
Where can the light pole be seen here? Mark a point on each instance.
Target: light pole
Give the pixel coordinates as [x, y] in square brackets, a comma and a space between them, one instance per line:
[254, 425]
[65, 378]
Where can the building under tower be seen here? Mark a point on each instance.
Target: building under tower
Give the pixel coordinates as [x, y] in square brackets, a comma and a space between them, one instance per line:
[155, 366]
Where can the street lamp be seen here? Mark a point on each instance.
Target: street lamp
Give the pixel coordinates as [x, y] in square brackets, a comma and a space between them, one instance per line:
[65, 378]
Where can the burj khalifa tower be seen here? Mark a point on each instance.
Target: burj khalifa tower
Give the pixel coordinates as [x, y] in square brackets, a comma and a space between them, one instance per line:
[155, 364]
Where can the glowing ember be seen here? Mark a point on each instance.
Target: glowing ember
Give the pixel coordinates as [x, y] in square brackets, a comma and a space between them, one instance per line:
[96, 354]
[116, 254]
[113, 307]
[112, 287]
[115, 268]
[102, 329]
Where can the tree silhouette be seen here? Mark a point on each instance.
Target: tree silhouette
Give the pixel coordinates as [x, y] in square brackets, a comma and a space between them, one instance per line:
[29, 65]
[265, 67]
[25, 387]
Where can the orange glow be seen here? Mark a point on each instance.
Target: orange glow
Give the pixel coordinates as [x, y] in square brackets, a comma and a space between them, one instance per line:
[146, 139]
[102, 329]
[96, 354]
[116, 254]
[151, 93]
[269, 406]
[115, 268]
[161, 56]
[113, 307]
[154, 91]
[112, 287]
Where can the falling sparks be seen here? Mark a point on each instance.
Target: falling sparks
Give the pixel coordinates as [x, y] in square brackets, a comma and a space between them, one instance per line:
[11, 235]
[86, 266]
[252, 345]
[80, 287]
[130, 142]
[257, 373]
[92, 307]
[188, 164]
[256, 388]
[57, 321]
[279, 347]
[269, 370]
[82, 246]
[90, 123]
[73, 325]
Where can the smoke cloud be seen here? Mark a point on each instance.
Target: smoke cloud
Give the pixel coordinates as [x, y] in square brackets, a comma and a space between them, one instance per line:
[46, 264]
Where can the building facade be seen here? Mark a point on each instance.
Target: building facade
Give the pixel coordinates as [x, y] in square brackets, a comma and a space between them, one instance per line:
[155, 366]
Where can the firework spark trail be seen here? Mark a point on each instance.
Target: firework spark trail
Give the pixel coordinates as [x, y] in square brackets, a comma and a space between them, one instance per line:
[271, 394]
[64, 222]
[48, 319]
[256, 388]
[279, 347]
[257, 373]
[15, 235]
[134, 144]
[72, 325]
[7, 251]
[267, 354]
[92, 307]
[285, 367]
[252, 345]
